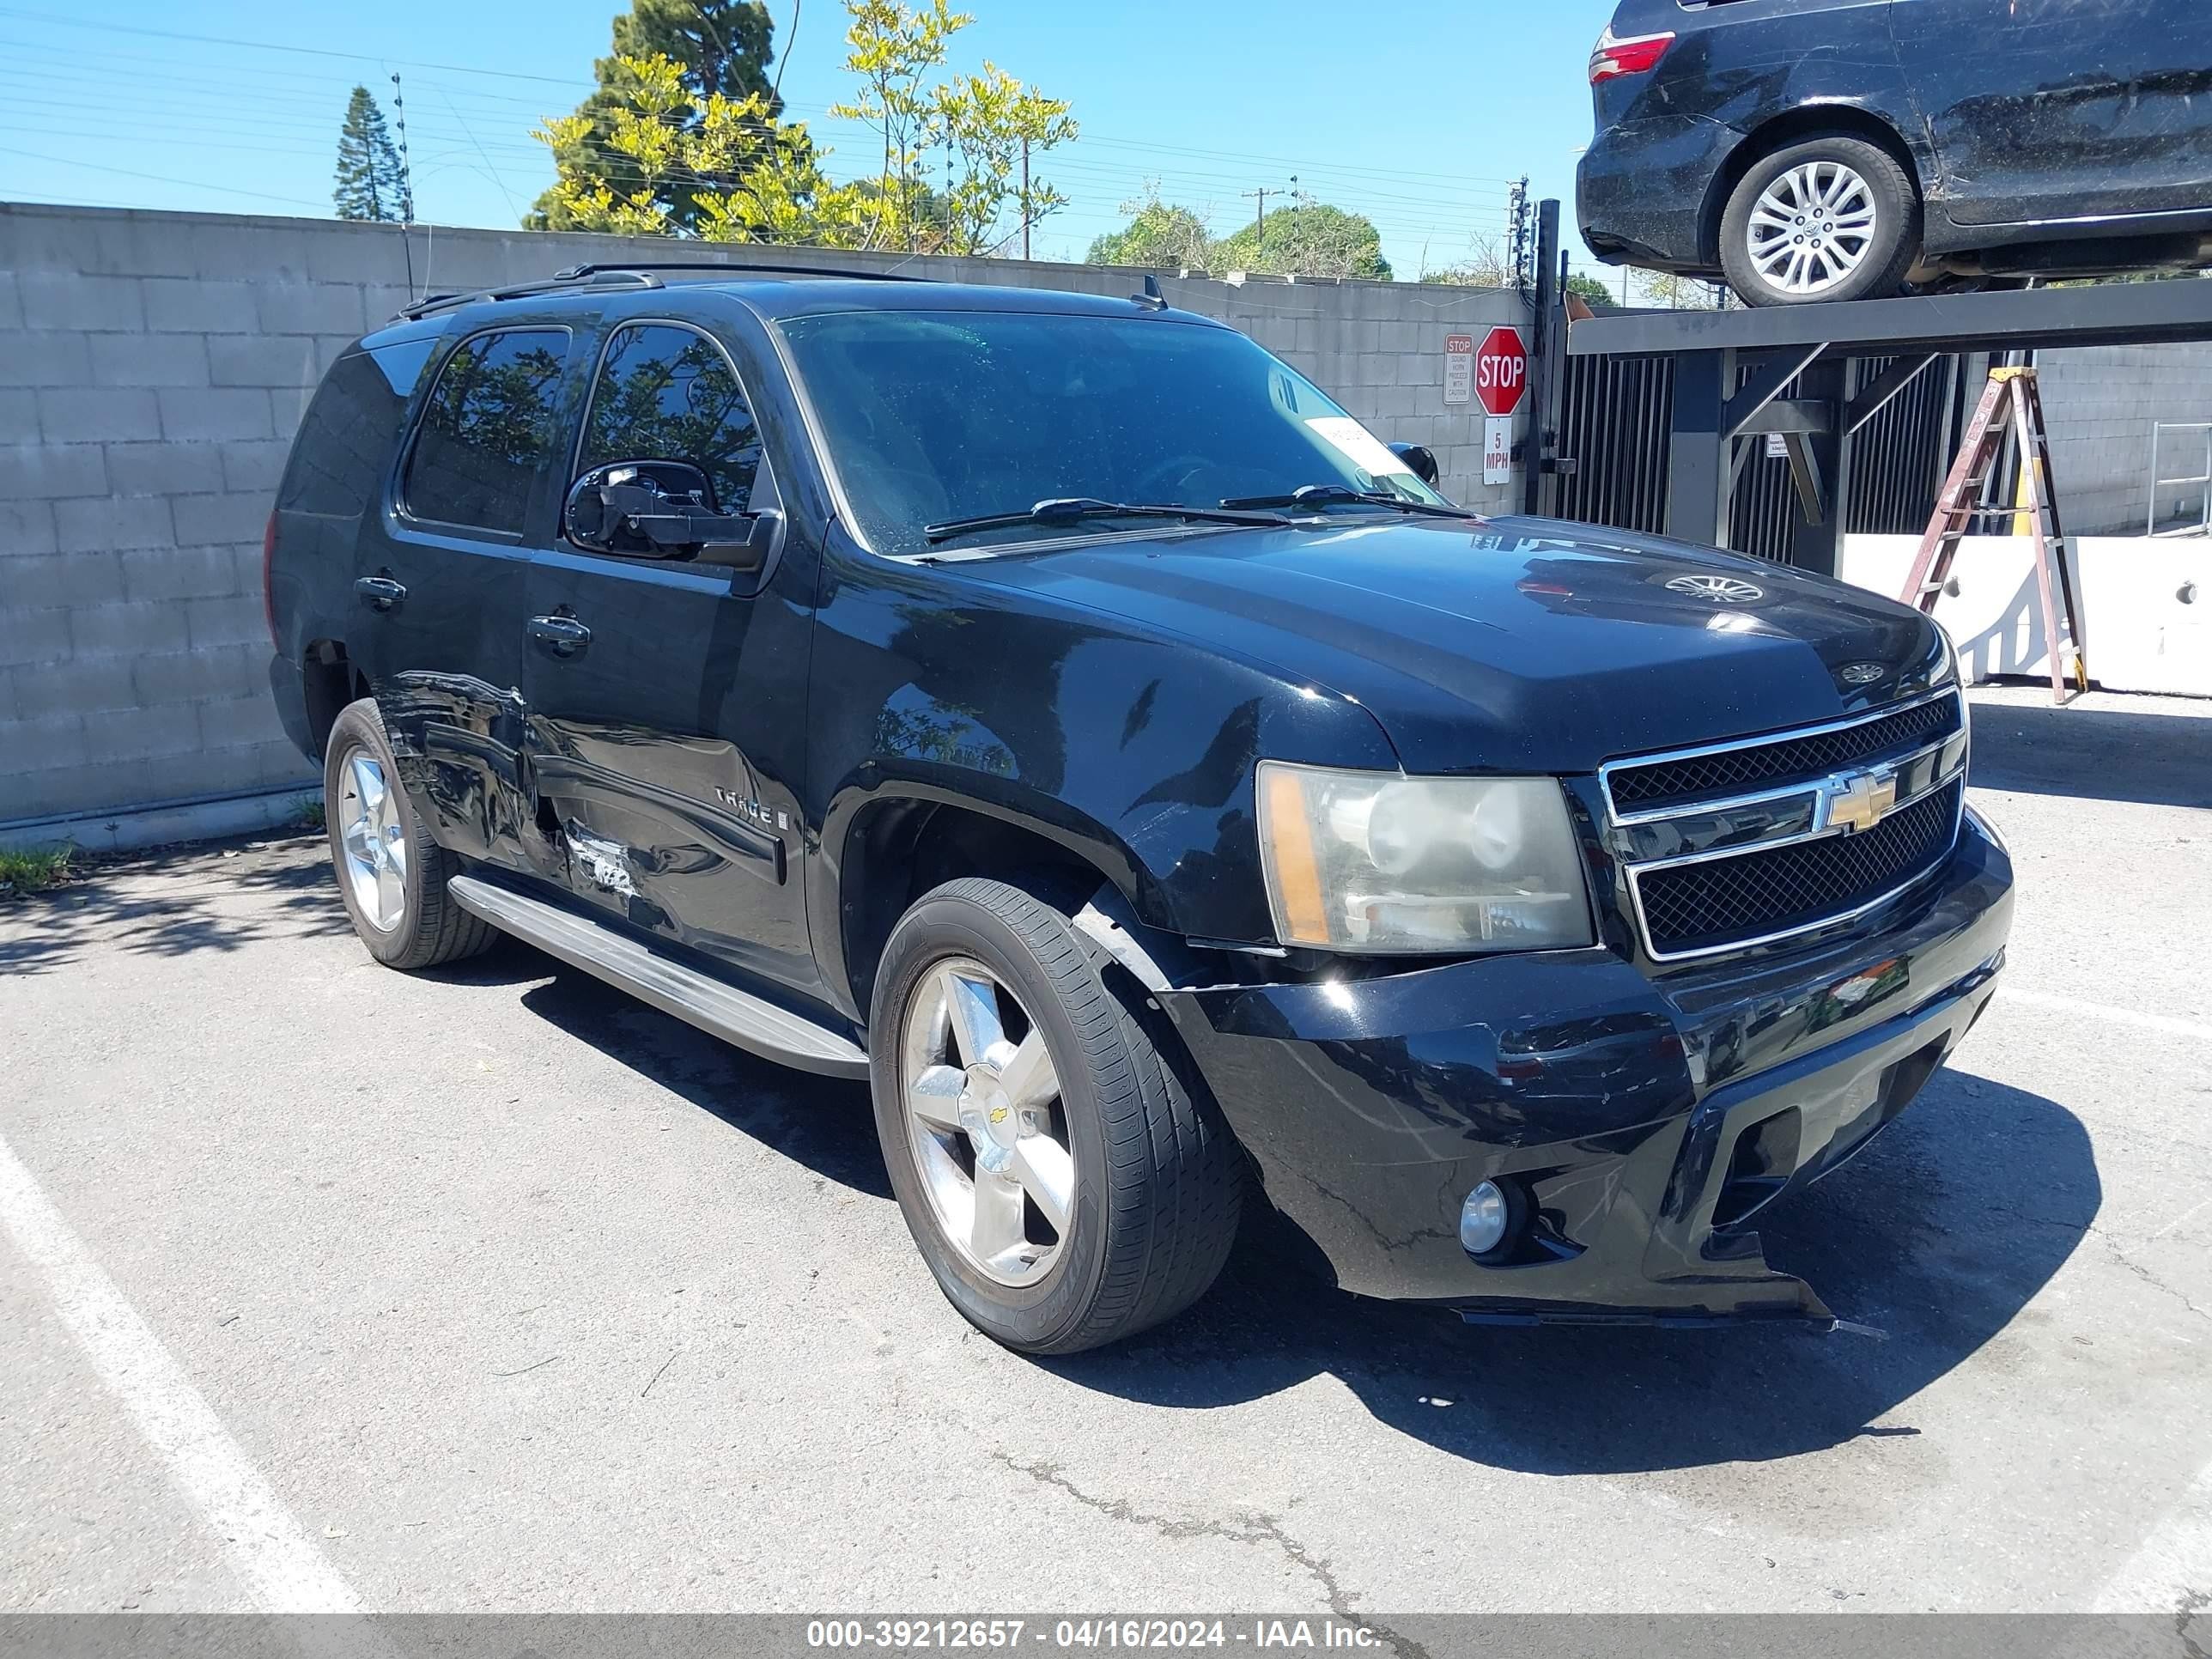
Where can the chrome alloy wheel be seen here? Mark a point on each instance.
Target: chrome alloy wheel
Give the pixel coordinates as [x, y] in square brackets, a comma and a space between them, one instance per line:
[985, 1119]
[1812, 227]
[374, 833]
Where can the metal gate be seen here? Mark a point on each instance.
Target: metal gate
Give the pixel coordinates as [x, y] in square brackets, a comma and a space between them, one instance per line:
[1615, 425]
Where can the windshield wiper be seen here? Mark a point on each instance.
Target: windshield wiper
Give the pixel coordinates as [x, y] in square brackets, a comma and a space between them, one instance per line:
[1074, 509]
[1321, 494]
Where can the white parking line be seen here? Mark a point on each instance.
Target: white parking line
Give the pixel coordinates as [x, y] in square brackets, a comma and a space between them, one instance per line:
[283, 1568]
[2166, 1023]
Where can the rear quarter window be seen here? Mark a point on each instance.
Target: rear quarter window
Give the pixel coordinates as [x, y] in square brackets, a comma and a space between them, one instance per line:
[488, 431]
[346, 439]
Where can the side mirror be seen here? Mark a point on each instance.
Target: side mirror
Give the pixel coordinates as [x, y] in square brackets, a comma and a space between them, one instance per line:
[663, 510]
[1421, 459]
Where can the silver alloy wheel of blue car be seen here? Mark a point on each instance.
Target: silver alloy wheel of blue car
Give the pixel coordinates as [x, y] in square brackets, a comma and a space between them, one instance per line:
[985, 1121]
[1811, 227]
[374, 833]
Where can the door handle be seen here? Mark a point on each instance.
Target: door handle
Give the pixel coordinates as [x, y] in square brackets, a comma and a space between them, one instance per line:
[379, 593]
[564, 636]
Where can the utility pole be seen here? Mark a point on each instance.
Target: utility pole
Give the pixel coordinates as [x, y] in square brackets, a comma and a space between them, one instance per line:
[1025, 196]
[1260, 225]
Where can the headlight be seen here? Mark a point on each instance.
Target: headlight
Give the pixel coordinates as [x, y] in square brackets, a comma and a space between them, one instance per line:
[1373, 862]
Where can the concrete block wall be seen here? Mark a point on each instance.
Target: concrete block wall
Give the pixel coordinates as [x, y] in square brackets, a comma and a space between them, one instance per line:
[153, 366]
[2101, 405]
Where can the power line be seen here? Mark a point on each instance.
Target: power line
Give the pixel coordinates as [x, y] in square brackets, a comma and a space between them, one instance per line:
[1324, 169]
[159, 178]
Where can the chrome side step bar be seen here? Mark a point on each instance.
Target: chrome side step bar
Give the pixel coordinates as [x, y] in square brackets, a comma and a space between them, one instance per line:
[748, 1022]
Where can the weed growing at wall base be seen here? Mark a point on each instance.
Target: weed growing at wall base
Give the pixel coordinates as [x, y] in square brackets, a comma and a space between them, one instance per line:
[33, 869]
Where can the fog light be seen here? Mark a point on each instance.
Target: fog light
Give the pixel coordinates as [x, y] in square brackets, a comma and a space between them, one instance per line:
[1485, 1218]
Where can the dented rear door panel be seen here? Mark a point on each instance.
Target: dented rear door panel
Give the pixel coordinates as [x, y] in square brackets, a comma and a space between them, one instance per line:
[2056, 110]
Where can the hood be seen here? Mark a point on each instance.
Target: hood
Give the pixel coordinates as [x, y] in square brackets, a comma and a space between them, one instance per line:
[1510, 644]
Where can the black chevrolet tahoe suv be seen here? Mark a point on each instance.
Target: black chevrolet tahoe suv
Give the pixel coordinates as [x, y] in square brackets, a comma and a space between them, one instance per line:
[1057, 712]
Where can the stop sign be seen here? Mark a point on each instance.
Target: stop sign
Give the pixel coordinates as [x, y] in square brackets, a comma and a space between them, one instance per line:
[1501, 371]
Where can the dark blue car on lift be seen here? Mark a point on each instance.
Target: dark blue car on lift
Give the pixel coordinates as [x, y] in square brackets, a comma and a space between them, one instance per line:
[1813, 151]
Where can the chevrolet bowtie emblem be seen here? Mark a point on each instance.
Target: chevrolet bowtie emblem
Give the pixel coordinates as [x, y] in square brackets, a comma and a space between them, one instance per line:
[1858, 802]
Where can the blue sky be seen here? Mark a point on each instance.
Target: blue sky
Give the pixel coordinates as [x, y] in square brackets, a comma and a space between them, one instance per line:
[1416, 113]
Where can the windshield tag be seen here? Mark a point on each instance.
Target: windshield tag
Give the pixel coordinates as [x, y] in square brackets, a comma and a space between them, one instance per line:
[1365, 450]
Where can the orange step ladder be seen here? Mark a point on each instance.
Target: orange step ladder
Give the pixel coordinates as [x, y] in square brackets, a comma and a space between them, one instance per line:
[2011, 401]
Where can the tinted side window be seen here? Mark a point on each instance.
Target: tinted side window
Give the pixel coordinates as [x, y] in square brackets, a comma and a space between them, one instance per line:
[344, 444]
[667, 394]
[488, 430]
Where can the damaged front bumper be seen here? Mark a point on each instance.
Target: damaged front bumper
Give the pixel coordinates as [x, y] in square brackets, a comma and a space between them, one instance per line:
[1646, 1121]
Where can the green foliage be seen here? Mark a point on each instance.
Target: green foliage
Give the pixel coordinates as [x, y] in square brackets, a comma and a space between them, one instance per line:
[371, 182]
[34, 869]
[1160, 237]
[730, 170]
[1592, 291]
[1307, 238]
[1310, 238]
[715, 49]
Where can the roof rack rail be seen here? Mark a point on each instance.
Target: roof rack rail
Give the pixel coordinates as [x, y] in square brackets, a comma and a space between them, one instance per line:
[608, 277]
[636, 273]
[577, 272]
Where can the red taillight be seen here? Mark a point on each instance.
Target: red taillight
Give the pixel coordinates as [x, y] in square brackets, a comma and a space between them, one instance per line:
[1638, 55]
[268, 594]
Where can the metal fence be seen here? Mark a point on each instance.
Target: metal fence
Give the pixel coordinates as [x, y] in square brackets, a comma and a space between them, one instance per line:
[1614, 424]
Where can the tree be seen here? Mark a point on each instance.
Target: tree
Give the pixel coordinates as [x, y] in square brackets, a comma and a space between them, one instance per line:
[1592, 291]
[1668, 291]
[1485, 266]
[1161, 237]
[741, 175]
[1308, 238]
[372, 184]
[719, 48]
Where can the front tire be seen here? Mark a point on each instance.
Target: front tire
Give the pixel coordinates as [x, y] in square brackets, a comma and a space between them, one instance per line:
[1829, 218]
[390, 873]
[1065, 1189]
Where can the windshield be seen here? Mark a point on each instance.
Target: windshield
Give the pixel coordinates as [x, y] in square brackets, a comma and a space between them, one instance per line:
[934, 417]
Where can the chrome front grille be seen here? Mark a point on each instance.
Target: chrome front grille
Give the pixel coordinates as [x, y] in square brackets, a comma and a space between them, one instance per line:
[1717, 903]
[1638, 786]
[1739, 844]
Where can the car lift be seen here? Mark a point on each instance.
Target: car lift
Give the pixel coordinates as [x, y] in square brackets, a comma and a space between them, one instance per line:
[1732, 367]
[2011, 403]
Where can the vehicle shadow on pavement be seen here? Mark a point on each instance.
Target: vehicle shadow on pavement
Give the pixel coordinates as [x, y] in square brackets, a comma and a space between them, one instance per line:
[823, 1123]
[2104, 754]
[1925, 1237]
[167, 904]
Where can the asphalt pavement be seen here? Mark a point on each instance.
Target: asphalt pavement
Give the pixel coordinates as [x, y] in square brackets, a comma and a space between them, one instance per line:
[511, 1294]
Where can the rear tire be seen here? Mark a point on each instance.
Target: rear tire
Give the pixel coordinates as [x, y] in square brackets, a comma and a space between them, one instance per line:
[390, 873]
[1152, 1177]
[1828, 218]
